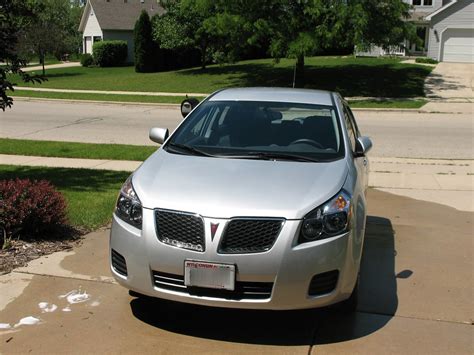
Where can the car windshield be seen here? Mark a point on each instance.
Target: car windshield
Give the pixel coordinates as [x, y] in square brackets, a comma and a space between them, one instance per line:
[260, 130]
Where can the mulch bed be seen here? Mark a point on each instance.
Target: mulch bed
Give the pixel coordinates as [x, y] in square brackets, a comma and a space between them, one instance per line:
[20, 251]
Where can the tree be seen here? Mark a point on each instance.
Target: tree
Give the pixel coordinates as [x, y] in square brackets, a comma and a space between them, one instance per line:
[182, 28]
[53, 30]
[288, 28]
[382, 23]
[15, 15]
[297, 28]
[144, 46]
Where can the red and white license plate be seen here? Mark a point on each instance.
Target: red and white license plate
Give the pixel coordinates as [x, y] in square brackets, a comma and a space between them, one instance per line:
[210, 275]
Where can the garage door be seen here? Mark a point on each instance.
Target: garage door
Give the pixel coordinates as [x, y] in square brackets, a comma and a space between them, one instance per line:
[458, 45]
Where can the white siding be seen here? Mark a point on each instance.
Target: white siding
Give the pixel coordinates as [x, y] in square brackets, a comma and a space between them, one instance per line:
[436, 4]
[92, 29]
[123, 36]
[459, 15]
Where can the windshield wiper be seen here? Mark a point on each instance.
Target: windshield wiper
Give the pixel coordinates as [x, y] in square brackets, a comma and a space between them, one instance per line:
[179, 148]
[271, 156]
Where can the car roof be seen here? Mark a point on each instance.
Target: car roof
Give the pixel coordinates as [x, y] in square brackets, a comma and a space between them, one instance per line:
[304, 96]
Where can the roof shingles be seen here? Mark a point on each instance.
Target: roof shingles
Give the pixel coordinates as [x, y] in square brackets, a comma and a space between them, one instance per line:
[122, 14]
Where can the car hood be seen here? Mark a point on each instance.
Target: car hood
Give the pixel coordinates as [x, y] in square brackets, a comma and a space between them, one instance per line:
[226, 188]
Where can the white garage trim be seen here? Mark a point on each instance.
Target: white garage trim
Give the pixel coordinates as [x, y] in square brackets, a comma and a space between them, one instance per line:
[441, 38]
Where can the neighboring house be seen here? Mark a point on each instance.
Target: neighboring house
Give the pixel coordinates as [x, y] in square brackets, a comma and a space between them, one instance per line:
[451, 37]
[445, 28]
[113, 20]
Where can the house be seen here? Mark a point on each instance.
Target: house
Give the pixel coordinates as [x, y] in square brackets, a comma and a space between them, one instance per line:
[451, 34]
[114, 20]
[445, 28]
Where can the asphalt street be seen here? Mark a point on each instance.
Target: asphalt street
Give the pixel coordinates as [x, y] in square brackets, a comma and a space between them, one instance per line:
[395, 134]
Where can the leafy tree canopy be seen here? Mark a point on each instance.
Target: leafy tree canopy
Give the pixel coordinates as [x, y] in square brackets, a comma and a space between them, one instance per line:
[15, 15]
[285, 28]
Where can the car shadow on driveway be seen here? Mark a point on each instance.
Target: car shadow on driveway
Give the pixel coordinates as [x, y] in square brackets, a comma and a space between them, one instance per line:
[378, 295]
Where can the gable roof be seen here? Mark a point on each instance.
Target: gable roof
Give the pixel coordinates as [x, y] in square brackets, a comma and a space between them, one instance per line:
[119, 14]
[441, 9]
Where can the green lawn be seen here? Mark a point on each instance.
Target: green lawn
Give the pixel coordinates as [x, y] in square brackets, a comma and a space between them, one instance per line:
[75, 150]
[90, 194]
[411, 104]
[100, 97]
[376, 77]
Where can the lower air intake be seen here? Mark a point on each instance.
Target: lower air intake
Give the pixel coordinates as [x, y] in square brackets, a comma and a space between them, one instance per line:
[324, 283]
[118, 263]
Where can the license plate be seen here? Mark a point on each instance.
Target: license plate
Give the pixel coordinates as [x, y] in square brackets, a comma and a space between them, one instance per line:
[210, 275]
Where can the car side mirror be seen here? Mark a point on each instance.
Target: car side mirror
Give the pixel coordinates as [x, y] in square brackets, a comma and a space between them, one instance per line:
[159, 135]
[363, 145]
[188, 105]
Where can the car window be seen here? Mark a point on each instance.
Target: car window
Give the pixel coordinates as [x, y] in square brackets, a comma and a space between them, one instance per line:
[351, 131]
[240, 127]
[353, 121]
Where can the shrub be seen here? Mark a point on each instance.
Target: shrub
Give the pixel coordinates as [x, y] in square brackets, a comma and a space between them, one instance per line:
[87, 60]
[144, 45]
[30, 207]
[426, 61]
[110, 53]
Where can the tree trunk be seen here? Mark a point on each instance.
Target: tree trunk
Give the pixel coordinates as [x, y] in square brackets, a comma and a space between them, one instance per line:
[299, 72]
[203, 57]
[42, 62]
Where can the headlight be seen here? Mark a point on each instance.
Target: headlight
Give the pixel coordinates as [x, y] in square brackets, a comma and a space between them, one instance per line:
[129, 207]
[328, 220]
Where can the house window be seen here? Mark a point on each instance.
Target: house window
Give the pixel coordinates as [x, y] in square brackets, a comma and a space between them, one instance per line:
[97, 39]
[423, 2]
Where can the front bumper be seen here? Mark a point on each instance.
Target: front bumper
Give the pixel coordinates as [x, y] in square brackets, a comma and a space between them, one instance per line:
[290, 267]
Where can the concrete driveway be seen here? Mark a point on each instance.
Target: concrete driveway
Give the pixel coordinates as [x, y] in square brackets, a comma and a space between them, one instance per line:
[416, 298]
[451, 81]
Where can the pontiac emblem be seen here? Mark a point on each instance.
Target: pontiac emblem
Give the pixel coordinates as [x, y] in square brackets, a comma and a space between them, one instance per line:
[214, 227]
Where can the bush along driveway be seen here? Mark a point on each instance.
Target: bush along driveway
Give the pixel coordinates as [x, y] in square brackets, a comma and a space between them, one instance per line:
[88, 201]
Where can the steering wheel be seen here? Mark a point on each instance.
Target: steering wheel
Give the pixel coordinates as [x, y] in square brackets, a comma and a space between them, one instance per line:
[308, 141]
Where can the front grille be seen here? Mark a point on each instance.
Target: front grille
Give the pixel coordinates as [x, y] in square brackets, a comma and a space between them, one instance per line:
[243, 289]
[180, 229]
[324, 283]
[250, 235]
[118, 263]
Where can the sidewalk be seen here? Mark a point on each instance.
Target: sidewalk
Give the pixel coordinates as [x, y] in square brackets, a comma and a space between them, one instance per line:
[139, 93]
[99, 164]
[53, 66]
[448, 182]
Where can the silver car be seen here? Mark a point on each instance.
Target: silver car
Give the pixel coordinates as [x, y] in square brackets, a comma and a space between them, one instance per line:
[257, 200]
